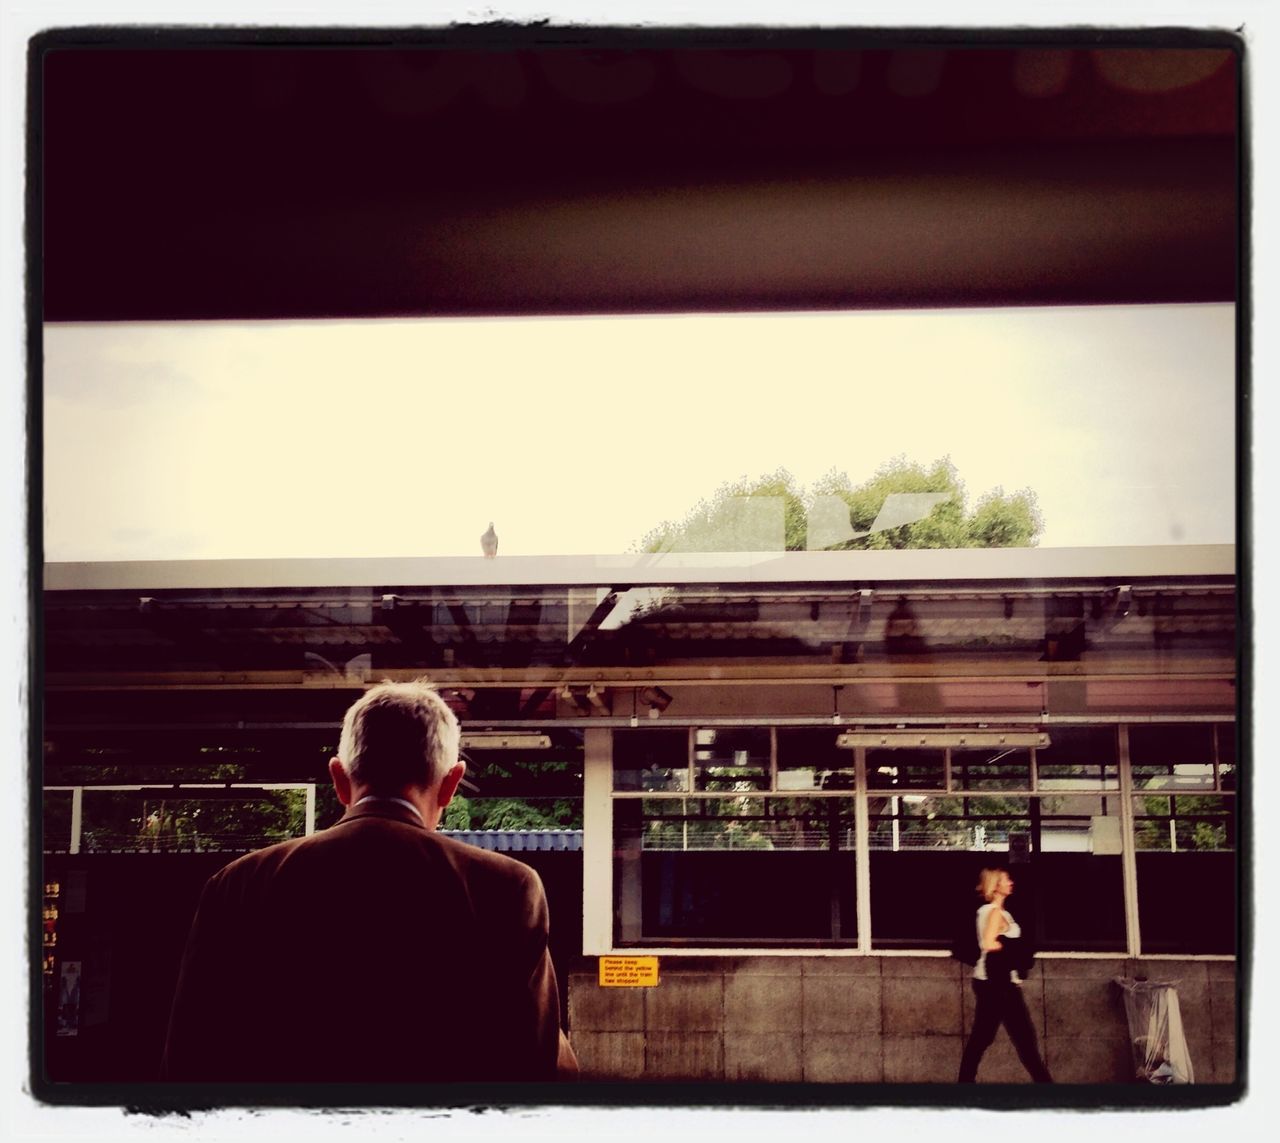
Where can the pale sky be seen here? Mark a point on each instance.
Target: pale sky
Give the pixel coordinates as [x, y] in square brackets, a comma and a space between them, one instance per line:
[578, 435]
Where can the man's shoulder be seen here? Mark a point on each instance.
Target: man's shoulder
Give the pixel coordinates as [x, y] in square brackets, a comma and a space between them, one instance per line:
[472, 863]
[485, 863]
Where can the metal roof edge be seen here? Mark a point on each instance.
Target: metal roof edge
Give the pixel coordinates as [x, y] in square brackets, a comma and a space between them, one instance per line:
[674, 568]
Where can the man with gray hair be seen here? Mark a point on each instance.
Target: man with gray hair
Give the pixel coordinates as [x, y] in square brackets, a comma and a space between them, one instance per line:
[375, 951]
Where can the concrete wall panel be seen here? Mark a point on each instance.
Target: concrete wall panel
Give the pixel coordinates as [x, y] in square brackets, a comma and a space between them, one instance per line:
[596, 1009]
[842, 1059]
[684, 1056]
[692, 1003]
[762, 1004]
[848, 1005]
[764, 1058]
[610, 1055]
[921, 1059]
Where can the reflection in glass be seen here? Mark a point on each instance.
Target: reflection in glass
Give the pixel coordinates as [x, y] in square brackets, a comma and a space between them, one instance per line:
[1184, 823]
[656, 760]
[809, 759]
[731, 759]
[56, 821]
[1163, 744]
[746, 870]
[158, 821]
[747, 823]
[1185, 865]
[991, 769]
[1078, 758]
[906, 768]
[917, 821]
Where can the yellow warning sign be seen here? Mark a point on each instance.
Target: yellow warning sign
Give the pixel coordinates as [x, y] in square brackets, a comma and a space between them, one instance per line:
[628, 971]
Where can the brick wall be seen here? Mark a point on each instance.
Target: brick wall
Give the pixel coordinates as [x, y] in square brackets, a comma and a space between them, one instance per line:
[877, 1020]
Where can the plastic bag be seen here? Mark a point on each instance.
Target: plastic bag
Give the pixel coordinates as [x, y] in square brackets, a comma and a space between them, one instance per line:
[1155, 1031]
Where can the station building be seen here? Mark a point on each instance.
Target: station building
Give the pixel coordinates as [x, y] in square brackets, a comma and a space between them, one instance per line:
[777, 774]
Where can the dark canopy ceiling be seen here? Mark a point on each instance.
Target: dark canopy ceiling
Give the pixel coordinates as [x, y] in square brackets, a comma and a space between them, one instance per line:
[549, 172]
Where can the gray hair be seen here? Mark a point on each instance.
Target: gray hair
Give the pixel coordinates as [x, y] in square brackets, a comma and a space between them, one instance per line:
[398, 736]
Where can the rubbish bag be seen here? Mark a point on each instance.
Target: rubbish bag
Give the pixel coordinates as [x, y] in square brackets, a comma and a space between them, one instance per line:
[1155, 1032]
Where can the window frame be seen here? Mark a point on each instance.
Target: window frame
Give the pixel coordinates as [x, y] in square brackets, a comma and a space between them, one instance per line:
[600, 938]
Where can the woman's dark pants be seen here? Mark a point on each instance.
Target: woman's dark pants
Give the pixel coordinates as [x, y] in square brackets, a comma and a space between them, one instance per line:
[999, 1003]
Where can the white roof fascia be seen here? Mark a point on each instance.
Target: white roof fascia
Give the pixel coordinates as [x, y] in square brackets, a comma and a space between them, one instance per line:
[920, 565]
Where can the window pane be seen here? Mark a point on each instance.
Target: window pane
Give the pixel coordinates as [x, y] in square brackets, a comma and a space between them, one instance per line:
[991, 769]
[733, 759]
[1184, 822]
[1062, 852]
[1078, 757]
[1163, 744]
[651, 760]
[751, 871]
[911, 769]
[57, 821]
[915, 821]
[1063, 901]
[1186, 872]
[1174, 776]
[1074, 823]
[809, 759]
[155, 821]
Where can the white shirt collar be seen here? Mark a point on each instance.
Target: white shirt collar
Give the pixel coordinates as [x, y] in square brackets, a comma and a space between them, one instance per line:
[401, 801]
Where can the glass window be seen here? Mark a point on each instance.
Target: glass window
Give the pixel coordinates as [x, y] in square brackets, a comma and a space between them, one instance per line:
[1078, 758]
[651, 760]
[749, 871]
[1186, 866]
[734, 759]
[231, 821]
[906, 769]
[994, 768]
[914, 821]
[1164, 744]
[809, 759]
[57, 821]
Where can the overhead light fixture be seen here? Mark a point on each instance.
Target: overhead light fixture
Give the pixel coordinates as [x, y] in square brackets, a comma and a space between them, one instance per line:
[500, 740]
[905, 738]
[655, 698]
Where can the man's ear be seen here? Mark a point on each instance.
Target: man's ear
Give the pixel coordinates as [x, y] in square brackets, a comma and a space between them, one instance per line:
[341, 781]
[449, 784]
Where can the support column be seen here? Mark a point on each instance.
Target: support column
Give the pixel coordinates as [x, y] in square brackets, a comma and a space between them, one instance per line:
[77, 817]
[1128, 854]
[597, 841]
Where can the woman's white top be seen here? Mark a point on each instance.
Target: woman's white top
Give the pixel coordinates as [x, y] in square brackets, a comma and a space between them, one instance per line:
[1013, 930]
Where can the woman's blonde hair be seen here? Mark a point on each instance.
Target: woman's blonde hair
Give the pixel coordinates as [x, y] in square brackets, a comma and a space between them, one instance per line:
[988, 879]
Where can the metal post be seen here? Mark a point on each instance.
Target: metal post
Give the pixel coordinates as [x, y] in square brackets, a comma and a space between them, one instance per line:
[1128, 852]
[597, 842]
[77, 817]
[862, 853]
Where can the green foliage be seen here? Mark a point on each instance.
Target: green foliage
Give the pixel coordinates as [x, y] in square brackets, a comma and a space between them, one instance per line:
[457, 814]
[165, 820]
[720, 523]
[515, 813]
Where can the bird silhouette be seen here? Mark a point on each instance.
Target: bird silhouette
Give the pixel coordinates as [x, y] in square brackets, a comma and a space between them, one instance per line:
[489, 542]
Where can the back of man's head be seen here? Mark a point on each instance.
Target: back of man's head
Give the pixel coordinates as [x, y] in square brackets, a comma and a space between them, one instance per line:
[398, 736]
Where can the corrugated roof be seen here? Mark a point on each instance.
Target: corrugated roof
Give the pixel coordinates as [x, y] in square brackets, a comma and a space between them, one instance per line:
[519, 840]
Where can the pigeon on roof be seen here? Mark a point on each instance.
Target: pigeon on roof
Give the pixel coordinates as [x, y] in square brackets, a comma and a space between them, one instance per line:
[489, 542]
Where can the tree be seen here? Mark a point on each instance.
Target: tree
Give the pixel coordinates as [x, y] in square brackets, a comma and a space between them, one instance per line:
[726, 523]
[750, 515]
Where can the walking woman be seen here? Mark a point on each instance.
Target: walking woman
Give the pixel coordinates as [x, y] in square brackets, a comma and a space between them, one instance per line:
[997, 983]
